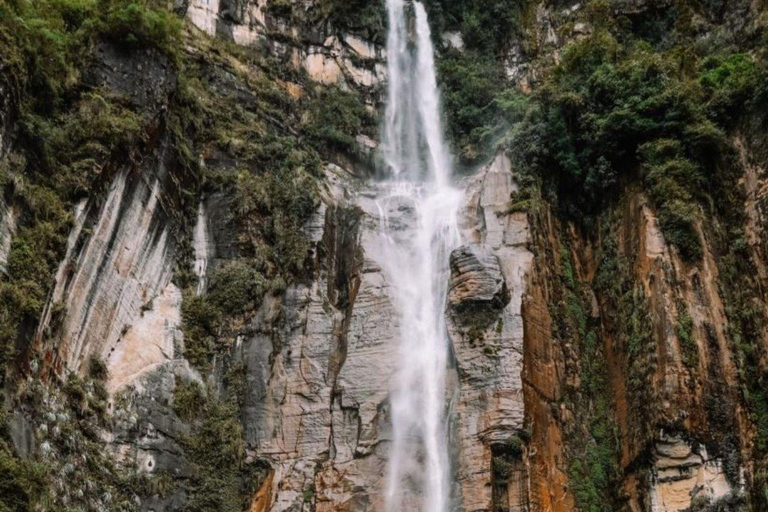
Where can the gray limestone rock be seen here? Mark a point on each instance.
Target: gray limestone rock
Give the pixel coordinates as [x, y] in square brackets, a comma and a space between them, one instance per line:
[145, 77]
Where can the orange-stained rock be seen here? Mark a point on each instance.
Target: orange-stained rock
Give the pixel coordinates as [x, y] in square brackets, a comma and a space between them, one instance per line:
[262, 500]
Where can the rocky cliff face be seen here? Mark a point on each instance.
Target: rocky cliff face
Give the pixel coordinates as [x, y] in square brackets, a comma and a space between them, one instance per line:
[486, 331]
[297, 32]
[664, 442]
[182, 356]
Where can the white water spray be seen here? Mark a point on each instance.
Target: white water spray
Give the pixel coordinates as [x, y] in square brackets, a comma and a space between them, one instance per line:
[415, 256]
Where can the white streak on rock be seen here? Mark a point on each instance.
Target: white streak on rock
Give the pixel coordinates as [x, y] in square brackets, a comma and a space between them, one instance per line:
[201, 245]
[8, 220]
[106, 281]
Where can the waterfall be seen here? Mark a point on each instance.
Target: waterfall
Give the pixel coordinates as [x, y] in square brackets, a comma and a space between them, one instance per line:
[418, 213]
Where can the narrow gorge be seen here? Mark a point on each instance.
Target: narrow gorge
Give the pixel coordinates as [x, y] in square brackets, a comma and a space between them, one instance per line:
[383, 255]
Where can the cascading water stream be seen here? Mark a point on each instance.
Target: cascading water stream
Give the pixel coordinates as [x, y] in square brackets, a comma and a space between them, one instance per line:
[415, 255]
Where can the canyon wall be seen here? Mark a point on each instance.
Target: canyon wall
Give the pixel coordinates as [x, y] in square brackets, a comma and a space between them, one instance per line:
[579, 353]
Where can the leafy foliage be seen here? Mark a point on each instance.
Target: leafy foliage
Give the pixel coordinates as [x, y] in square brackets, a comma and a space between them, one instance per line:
[222, 478]
[65, 135]
[684, 331]
[594, 439]
[477, 97]
[334, 117]
[202, 324]
[612, 112]
[365, 17]
[730, 81]
[486, 26]
[136, 23]
[475, 102]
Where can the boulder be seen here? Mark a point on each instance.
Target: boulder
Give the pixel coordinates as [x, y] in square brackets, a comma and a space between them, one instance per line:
[476, 279]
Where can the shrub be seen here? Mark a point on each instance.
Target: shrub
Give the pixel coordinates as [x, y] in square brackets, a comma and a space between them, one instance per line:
[613, 112]
[677, 220]
[487, 26]
[22, 483]
[188, 399]
[48, 40]
[335, 117]
[97, 369]
[471, 87]
[136, 24]
[478, 99]
[365, 17]
[74, 145]
[236, 287]
[730, 81]
[202, 324]
[271, 209]
[280, 9]
[222, 480]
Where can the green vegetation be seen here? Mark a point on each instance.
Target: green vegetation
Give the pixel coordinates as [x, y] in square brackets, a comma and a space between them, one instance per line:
[637, 104]
[22, 483]
[365, 17]
[746, 322]
[71, 138]
[477, 97]
[47, 42]
[474, 319]
[614, 112]
[276, 142]
[684, 331]
[628, 317]
[69, 446]
[487, 26]
[188, 399]
[202, 328]
[505, 460]
[222, 480]
[136, 24]
[729, 81]
[309, 494]
[66, 133]
[478, 107]
[271, 210]
[593, 438]
[632, 101]
[272, 185]
[335, 117]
